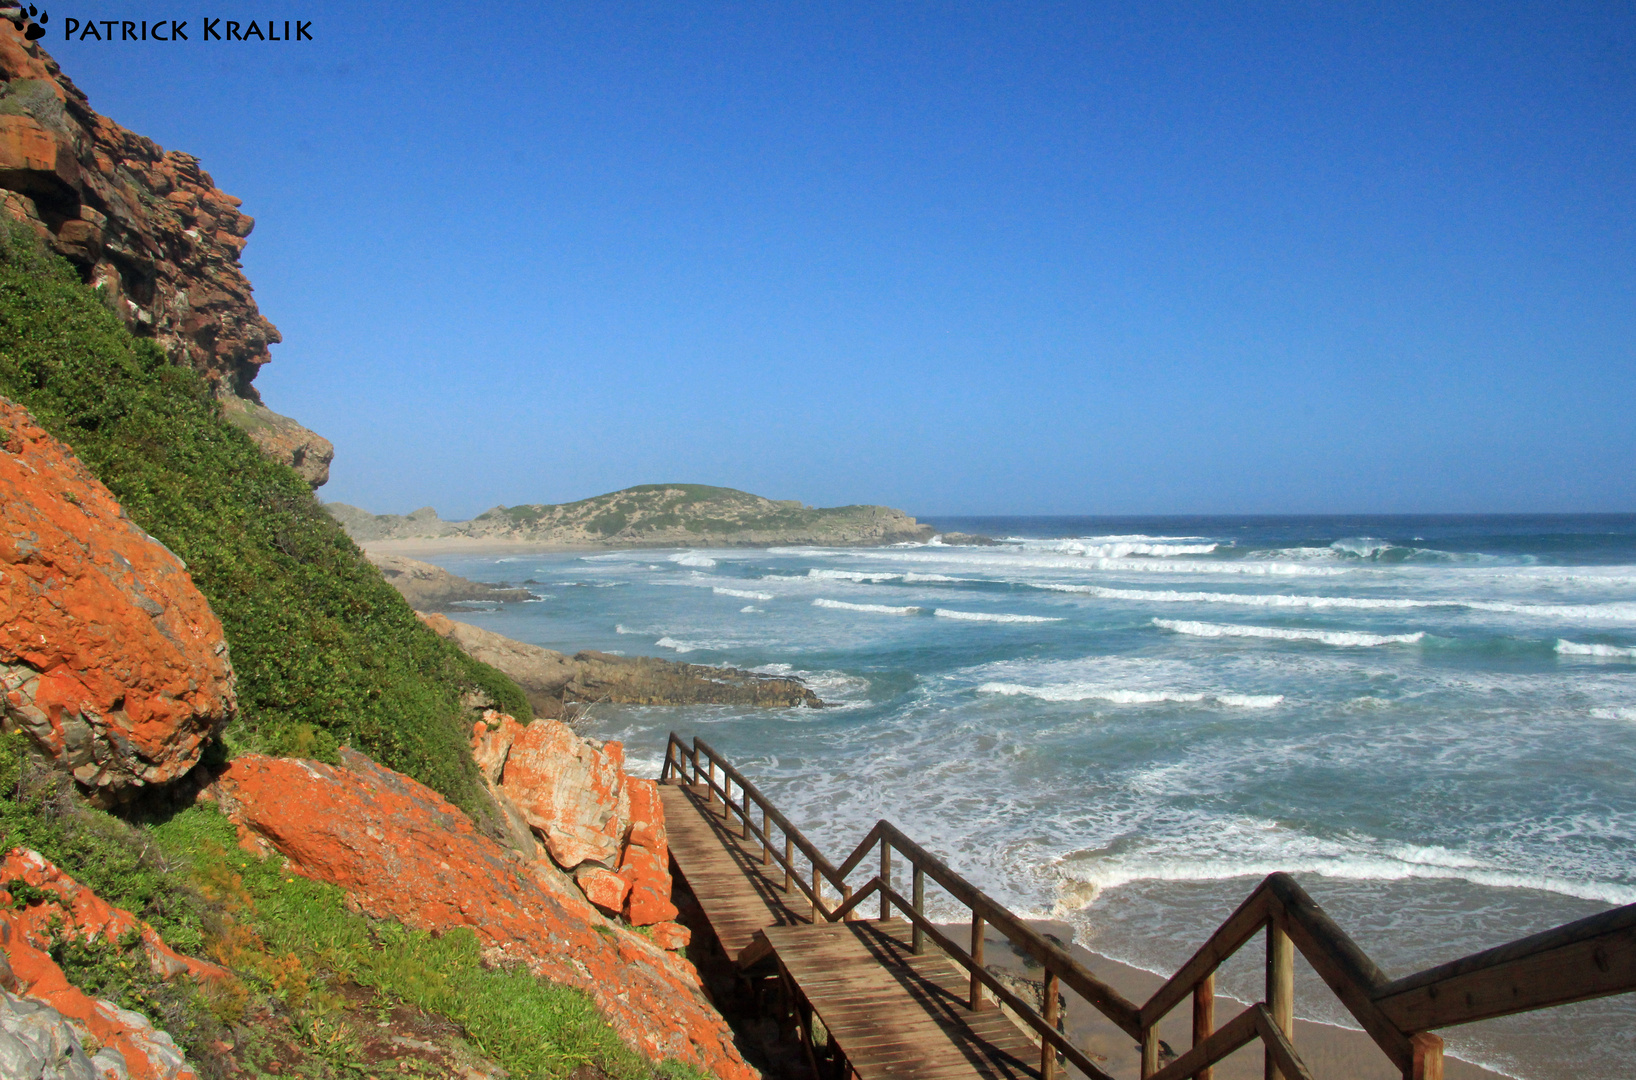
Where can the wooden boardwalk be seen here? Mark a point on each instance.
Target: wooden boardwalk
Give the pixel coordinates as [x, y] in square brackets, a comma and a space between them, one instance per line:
[740, 893]
[892, 1014]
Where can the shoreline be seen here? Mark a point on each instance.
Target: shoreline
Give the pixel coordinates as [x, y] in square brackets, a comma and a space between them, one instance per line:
[470, 545]
[1326, 1048]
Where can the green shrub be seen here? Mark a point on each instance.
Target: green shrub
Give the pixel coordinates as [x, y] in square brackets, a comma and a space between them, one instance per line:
[326, 652]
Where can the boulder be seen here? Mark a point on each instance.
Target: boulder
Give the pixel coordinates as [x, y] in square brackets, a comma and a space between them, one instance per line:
[432, 588]
[570, 790]
[402, 852]
[110, 659]
[670, 935]
[603, 888]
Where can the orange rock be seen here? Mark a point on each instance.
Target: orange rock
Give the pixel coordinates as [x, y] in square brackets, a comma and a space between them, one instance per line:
[570, 790]
[670, 935]
[649, 879]
[603, 888]
[110, 658]
[402, 852]
[77, 911]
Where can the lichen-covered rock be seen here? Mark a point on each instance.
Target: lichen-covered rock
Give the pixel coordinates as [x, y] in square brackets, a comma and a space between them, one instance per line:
[570, 790]
[110, 658]
[402, 852]
[129, 1045]
[150, 230]
[603, 888]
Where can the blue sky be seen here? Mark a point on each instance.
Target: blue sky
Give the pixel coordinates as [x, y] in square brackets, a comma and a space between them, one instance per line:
[997, 258]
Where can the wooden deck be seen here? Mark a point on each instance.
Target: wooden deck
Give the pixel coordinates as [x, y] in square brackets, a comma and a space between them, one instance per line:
[740, 894]
[893, 1014]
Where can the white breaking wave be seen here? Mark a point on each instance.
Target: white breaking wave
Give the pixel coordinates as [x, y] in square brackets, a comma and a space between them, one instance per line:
[1398, 862]
[748, 609]
[879, 609]
[1327, 637]
[1084, 692]
[1121, 547]
[672, 643]
[742, 594]
[850, 575]
[1611, 612]
[985, 616]
[688, 558]
[621, 628]
[1606, 652]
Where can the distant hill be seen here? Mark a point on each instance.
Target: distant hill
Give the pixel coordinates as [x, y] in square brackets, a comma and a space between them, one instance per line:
[649, 515]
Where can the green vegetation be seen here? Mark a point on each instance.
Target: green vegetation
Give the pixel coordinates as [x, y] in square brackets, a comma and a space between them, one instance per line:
[292, 945]
[326, 652]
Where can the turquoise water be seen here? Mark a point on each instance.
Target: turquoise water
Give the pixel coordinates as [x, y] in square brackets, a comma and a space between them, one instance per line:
[1127, 722]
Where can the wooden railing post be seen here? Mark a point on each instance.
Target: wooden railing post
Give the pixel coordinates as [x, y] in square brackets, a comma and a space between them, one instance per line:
[744, 791]
[1150, 1051]
[817, 892]
[918, 939]
[846, 894]
[1049, 1002]
[711, 798]
[1204, 1018]
[885, 878]
[977, 938]
[767, 842]
[789, 860]
[1427, 1063]
[1280, 989]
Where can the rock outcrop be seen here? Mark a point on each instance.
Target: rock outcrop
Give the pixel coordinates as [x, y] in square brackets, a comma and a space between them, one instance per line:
[404, 853]
[110, 659]
[147, 227]
[50, 1015]
[554, 680]
[606, 827]
[432, 588]
[650, 515]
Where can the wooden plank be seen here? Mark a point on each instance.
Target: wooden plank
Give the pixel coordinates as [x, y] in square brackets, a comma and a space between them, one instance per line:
[739, 893]
[894, 1014]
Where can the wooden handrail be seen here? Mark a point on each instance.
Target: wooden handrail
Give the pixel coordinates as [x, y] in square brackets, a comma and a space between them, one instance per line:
[1592, 957]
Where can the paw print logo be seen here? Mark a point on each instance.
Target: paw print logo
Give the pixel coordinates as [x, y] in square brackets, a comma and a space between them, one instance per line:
[29, 19]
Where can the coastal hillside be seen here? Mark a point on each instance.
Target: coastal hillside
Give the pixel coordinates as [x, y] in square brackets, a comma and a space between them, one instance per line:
[648, 515]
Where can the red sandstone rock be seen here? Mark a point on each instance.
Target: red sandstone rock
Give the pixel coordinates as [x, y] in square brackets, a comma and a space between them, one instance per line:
[150, 229]
[110, 658]
[649, 900]
[670, 935]
[402, 852]
[27, 932]
[603, 888]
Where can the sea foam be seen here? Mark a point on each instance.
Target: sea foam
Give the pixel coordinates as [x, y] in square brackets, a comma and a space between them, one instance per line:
[1327, 637]
[1601, 652]
[742, 594]
[878, 609]
[1085, 692]
[996, 617]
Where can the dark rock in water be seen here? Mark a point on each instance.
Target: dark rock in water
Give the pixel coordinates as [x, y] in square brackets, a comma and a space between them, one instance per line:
[960, 539]
[554, 681]
[432, 588]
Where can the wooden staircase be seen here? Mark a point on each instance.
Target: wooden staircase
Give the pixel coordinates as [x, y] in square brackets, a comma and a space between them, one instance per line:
[895, 1009]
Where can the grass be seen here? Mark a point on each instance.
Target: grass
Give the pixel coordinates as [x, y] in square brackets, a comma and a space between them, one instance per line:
[326, 652]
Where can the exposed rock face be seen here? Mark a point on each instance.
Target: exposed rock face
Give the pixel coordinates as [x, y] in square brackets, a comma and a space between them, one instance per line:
[110, 658]
[551, 679]
[148, 228]
[27, 932]
[432, 588]
[651, 515]
[282, 439]
[593, 818]
[404, 853]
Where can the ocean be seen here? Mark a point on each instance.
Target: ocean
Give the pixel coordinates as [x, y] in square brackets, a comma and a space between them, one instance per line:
[1126, 722]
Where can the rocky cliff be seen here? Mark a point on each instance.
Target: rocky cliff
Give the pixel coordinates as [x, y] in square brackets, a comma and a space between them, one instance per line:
[432, 588]
[150, 229]
[650, 515]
